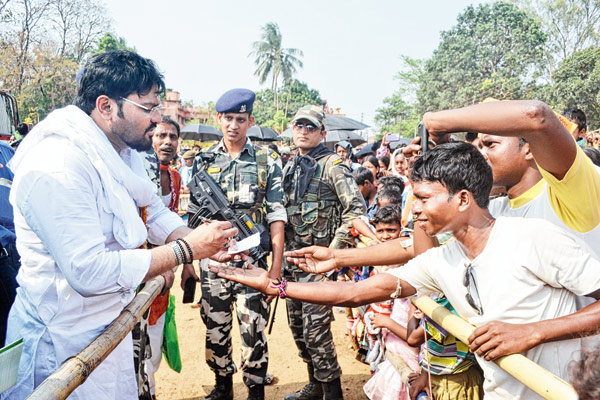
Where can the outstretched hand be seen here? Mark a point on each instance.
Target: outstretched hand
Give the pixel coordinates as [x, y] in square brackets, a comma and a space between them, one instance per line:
[313, 259]
[496, 339]
[256, 278]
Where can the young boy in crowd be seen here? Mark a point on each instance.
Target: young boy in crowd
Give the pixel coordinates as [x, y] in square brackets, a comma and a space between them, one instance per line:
[516, 279]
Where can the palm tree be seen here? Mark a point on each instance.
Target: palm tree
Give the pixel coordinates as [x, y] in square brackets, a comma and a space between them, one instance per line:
[272, 59]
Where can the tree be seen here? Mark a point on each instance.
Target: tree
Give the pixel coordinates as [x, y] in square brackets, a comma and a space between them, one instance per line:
[43, 42]
[494, 50]
[79, 25]
[295, 94]
[577, 83]
[571, 26]
[110, 42]
[273, 60]
[399, 112]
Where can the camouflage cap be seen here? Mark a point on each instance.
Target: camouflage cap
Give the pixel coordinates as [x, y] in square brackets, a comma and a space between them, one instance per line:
[189, 154]
[313, 114]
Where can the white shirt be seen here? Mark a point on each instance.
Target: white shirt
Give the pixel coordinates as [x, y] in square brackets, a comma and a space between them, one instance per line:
[75, 278]
[529, 271]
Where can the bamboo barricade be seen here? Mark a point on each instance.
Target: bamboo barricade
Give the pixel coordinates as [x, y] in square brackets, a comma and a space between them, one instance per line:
[75, 370]
[535, 377]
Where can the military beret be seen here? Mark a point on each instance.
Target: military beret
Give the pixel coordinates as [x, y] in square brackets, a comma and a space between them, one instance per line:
[236, 101]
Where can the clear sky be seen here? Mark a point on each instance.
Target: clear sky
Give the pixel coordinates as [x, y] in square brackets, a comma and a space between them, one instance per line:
[351, 48]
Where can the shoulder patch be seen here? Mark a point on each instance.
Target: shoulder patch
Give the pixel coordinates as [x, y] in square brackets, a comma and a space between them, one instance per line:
[336, 162]
[213, 170]
[274, 155]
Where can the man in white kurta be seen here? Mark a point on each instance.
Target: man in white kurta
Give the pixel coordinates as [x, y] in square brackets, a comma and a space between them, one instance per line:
[78, 195]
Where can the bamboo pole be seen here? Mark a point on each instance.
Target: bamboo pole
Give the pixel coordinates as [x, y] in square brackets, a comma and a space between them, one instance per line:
[535, 377]
[75, 370]
[399, 365]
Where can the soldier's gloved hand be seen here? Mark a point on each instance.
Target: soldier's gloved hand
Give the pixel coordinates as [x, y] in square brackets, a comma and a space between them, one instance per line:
[188, 272]
[313, 259]
[209, 239]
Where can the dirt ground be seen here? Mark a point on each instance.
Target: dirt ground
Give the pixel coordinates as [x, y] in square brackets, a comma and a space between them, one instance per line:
[196, 380]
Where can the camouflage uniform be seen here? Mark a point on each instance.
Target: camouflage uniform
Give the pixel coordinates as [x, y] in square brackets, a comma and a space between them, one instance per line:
[322, 217]
[239, 179]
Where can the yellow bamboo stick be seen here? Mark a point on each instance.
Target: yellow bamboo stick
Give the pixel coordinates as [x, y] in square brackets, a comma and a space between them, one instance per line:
[535, 377]
[74, 371]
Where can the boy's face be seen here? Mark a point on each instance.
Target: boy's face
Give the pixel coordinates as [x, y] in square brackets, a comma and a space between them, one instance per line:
[385, 231]
[434, 209]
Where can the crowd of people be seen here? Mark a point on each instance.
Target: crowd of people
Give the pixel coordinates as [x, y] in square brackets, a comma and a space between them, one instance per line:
[499, 227]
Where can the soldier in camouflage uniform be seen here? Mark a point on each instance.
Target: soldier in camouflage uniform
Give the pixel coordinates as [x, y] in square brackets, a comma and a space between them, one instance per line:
[322, 200]
[250, 176]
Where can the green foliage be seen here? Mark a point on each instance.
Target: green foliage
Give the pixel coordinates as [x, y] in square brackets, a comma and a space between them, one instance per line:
[279, 122]
[399, 112]
[110, 42]
[577, 84]
[292, 96]
[494, 50]
[273, 60]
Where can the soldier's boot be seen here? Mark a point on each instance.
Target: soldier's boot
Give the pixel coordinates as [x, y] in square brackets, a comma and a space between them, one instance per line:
[223, 390]
[333, 390]
[256, 392]
[312, 391]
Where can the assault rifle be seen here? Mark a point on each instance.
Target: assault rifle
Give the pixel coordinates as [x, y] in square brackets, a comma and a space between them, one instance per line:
[208, 201]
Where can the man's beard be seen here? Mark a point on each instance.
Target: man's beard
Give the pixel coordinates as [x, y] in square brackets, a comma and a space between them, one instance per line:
[142, 143]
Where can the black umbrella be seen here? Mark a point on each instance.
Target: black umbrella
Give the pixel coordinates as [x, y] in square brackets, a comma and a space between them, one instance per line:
[339, 123]
[336, 136]
[365, 150]
[263, 133]
[200, 133]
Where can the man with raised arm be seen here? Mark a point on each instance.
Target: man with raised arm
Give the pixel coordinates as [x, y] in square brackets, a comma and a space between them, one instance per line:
[83, 207]
[522, 300]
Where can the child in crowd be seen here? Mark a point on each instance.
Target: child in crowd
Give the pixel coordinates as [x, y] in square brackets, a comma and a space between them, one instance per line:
[386, 383]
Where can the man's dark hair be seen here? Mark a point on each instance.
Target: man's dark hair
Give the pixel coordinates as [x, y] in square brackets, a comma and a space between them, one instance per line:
[593, 154]
[392, 194]
[456, 166]
[362, 174]
[23, 129]
[387, 215]
[273, 147]
[168, 120]
[116, 74]
[578, 116]
[390, 181]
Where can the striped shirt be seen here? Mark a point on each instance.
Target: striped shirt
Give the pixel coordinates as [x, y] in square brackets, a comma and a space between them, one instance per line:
[447, 355]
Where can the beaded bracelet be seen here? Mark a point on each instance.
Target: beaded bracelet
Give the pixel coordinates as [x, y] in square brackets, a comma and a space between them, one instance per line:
[179, 258]
[281, 285]
[189, 249]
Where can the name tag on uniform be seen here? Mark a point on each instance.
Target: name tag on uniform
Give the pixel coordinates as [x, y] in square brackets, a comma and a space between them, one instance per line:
[5, 182]
[336, 162]
[213, 170]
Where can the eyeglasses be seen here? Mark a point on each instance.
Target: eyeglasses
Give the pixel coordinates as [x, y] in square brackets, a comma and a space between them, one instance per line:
[310, 128]
[472, 292]
[151, 111]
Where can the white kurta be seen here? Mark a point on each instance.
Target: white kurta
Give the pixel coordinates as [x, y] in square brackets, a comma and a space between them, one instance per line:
[530, 270]
[75, 278]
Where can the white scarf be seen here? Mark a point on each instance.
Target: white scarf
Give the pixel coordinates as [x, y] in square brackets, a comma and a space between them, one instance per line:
[124, 190]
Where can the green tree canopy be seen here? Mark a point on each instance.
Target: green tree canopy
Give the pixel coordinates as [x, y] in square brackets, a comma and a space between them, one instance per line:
[273, 60]
[110, 42]
[494, 50]
[293, 95]
[577, 83]
[399, 111]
